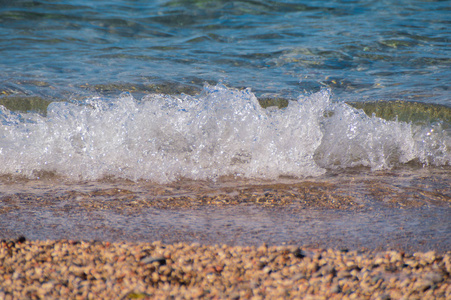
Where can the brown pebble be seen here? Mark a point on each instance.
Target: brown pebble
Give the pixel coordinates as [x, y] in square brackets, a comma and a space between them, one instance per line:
[72, 270]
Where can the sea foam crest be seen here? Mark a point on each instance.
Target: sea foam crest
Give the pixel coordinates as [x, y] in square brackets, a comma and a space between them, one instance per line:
[220, 132]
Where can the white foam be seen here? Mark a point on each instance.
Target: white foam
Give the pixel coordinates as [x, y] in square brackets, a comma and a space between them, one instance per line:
[222, 131]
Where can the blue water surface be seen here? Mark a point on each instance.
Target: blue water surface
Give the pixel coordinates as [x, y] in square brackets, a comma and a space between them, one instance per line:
[363, 50]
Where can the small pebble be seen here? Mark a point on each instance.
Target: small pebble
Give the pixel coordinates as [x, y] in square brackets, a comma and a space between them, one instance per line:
[125, 270]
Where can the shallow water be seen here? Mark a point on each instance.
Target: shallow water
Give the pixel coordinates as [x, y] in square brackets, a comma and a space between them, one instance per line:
[403, 209]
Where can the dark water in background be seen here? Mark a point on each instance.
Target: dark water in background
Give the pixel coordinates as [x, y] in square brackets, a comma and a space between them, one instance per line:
[363, 50]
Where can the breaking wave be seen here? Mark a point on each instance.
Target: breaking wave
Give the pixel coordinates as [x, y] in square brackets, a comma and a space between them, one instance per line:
[220, 132]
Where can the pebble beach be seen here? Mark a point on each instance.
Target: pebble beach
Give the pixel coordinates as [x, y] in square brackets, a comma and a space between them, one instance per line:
[67, 269]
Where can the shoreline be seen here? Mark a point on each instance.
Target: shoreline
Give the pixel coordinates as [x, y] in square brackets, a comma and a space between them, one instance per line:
[125, 270]
[402, 210]
[354, 236]
[408, 230]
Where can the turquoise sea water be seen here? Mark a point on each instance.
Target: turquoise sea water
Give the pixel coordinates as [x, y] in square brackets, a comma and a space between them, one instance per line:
[368, 50]
[195, 73]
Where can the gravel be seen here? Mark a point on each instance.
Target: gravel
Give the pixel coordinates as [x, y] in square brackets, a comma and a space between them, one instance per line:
[67, 269]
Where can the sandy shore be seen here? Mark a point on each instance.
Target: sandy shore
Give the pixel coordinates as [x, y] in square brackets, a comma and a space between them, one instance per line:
[102, 270]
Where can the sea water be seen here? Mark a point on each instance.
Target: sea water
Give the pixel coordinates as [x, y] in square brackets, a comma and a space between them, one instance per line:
[164, 90]
[337, 113]
[220, 132]
[167, 90]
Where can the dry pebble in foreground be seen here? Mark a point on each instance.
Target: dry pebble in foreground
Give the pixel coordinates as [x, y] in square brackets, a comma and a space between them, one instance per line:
[103, 270]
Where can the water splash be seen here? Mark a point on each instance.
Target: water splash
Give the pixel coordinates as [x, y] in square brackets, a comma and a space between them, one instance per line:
[220, 132]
